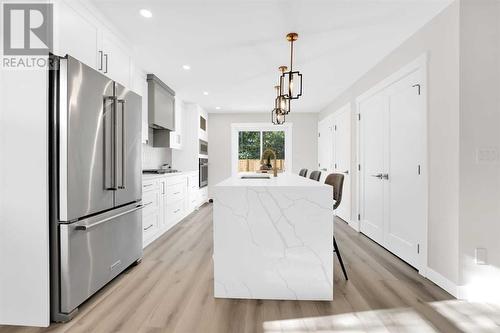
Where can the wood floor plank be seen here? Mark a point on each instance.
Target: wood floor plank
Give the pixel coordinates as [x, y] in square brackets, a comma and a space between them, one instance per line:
[172, 291]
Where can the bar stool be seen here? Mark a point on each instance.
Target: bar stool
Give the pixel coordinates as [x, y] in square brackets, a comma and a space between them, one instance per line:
[337, 181]
[315, 175]
[303, 172]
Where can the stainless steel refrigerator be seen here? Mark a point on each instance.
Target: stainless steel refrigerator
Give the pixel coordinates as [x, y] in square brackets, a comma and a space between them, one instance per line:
[95, 182]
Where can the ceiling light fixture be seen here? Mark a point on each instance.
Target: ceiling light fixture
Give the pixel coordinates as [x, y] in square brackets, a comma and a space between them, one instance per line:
[186, 67]
[205, 93]
[283, 103]
[290, 81]
[217, 108]
[146, 13]
[277, 115]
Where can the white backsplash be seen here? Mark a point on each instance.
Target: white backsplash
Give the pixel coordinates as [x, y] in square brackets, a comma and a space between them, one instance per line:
[153, 158]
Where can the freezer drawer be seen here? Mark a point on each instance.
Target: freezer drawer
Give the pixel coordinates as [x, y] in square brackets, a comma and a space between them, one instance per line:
[95, 250]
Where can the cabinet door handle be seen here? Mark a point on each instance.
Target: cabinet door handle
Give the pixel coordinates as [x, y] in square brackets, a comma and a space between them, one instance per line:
[100, 59]
[106, 62]
[177, 193]
[379, 176]
[177, 210]
[148, 227]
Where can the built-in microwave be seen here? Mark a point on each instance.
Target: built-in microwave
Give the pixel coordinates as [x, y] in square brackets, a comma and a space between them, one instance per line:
[203, 147]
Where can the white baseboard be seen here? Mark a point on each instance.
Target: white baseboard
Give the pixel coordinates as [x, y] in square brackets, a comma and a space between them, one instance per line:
[442, 282]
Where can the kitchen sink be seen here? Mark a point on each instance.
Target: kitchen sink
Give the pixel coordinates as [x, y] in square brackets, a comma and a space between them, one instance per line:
[256, 177]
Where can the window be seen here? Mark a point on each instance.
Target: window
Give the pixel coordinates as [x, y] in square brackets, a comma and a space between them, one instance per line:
[251, 146]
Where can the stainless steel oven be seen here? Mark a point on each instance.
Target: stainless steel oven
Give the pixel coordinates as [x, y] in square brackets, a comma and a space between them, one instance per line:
[203, 172]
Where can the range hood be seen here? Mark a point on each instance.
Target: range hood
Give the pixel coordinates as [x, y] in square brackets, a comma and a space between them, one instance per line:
[161, 111]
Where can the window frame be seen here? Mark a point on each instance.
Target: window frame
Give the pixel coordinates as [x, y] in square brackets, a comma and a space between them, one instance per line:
[260, 127]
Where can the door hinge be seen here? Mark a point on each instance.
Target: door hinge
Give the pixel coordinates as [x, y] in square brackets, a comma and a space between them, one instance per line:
[419, 88]
[335, 127]
[419, 170]
[359, 116]
[359, 217]
[335, 165]
[359, 167]
[418, 248]
[319, 135]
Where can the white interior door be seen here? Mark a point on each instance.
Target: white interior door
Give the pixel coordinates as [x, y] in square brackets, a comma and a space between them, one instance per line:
[342, 158]
[406, 196]
[325, 146]
[373, 155]
[392, 150]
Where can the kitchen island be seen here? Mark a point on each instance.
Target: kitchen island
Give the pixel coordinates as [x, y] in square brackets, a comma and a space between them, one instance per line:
[273, 238]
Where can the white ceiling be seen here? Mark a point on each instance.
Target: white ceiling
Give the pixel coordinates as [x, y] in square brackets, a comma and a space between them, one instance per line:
[234, 47]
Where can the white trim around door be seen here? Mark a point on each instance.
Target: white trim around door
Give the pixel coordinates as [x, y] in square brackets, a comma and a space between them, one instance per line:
[417, 66]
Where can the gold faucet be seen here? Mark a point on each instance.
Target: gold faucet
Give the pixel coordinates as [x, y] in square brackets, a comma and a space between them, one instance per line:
[267, 156]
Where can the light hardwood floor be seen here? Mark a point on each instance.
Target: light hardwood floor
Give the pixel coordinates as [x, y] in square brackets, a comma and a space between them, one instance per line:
[171, 291]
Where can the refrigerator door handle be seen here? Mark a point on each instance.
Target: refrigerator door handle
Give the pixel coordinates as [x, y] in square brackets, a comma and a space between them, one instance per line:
[93, 225]
[111, 165]
[123, 135]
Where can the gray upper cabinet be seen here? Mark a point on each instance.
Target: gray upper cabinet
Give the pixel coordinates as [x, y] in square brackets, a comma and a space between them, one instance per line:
[161, 104]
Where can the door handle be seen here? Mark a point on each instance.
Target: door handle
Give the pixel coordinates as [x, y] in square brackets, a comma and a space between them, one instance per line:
[106, 62]
[385, 176]
[122, 102]
[324, 169]
[100, 60]
[112, 153]
[90, 226]
[379, 175]
[346, 172]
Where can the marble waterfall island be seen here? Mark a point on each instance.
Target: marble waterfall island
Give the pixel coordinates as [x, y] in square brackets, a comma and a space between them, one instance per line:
[273, 238]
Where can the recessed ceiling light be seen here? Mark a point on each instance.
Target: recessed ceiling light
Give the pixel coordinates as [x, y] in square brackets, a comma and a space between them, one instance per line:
[205, 93]
[217, 108]
[146, 13]
[186, 67]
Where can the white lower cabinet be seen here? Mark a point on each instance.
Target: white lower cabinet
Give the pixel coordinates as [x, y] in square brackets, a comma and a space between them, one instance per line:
[151, 213]
[168, 200]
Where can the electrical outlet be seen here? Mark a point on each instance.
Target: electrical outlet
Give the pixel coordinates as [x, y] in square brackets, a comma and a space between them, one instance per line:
[481, 255]
[488, 155]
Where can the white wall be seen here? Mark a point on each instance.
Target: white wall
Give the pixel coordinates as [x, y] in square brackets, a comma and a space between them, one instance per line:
[440, 38]
[153, 158]
[479, 129]
[24, 228]
[304, 144]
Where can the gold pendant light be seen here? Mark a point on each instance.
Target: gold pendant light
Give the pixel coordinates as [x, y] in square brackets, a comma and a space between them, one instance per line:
[291, 81]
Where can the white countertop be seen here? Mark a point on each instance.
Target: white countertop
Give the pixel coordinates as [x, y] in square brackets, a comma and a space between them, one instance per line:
[283, 180]
[162, 175]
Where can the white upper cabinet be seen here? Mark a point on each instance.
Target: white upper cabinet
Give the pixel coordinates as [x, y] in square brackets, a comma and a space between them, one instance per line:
[71, 22]
[176, 139]
[116, 59]
[80, 33]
